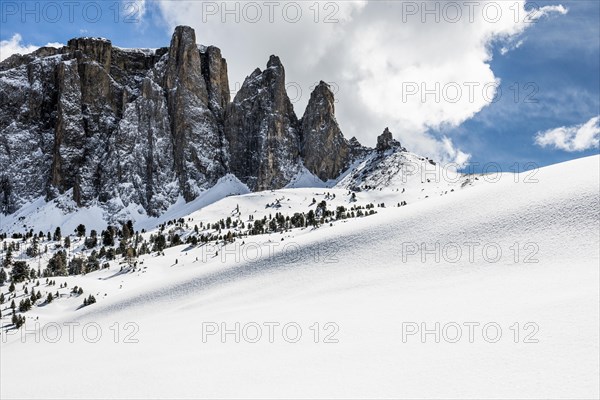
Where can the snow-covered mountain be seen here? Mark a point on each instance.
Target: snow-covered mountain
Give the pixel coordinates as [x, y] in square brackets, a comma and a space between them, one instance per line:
[128, 128]
[190, 319]
[158, 239]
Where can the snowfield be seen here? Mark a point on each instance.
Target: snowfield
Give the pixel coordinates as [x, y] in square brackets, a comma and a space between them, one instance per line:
[484, 288]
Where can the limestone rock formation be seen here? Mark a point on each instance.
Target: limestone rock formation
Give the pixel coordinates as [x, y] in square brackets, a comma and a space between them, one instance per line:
[116, 127]
[325, 151]
[197, 139]
[385, 141]
[263, 131]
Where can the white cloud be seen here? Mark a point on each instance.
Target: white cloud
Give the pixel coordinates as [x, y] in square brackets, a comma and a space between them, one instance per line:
[571, 138]
[372, 52]
[453, 155]
[15, 46]
[136, 8]
[548, 10]
[510, 46]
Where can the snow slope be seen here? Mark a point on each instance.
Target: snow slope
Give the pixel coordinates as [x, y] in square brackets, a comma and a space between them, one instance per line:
[63, 212]
[370, 280]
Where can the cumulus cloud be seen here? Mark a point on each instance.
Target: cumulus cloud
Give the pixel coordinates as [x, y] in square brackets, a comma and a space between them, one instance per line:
[413, 66]
[15, 45]
[137, 8]
[512, 45]
[454, 155]
[571, 138]
[547, 11]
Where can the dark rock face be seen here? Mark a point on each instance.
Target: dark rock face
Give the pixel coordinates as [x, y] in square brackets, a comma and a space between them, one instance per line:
[115, 127]
[263, 131]
[325, 151]
[144, 126]
[385, 141]
[357, 150]
[197, 139]
[214, 70]
[28, 116]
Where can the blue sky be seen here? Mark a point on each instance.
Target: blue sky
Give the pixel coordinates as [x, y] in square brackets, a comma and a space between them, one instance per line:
[557, 66]
[560, 55]
[121, 22]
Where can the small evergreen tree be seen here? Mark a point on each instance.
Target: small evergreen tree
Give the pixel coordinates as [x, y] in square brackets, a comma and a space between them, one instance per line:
[18, 321]
[57, 266]
[80, 230]
[126, 232]
[25, 305]
[108, 236]
[8, 258]
[89, 300]
[20, 271]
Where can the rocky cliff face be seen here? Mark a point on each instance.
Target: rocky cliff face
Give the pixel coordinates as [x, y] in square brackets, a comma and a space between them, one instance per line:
[197, 138]
[120, 127]
[325, 151]
[262, 130]
[385, 141]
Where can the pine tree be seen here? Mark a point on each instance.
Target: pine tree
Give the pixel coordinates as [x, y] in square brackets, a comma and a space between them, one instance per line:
[108, 237]
[13, 305]
[49, 298]
[126, 233]
[2, 276]
[57, 265]
[18, 321]
[8, 257]
[57, 235]
[130, 227]
[20, 271]
[80, 230]
[2, 298]
[25, 305]
[11, 288]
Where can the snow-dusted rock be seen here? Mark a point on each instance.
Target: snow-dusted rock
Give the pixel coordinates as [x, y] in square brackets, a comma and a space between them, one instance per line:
[325, 151]
[263, 131]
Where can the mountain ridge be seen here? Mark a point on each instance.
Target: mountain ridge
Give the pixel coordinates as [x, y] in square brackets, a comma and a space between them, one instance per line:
[145, 126]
